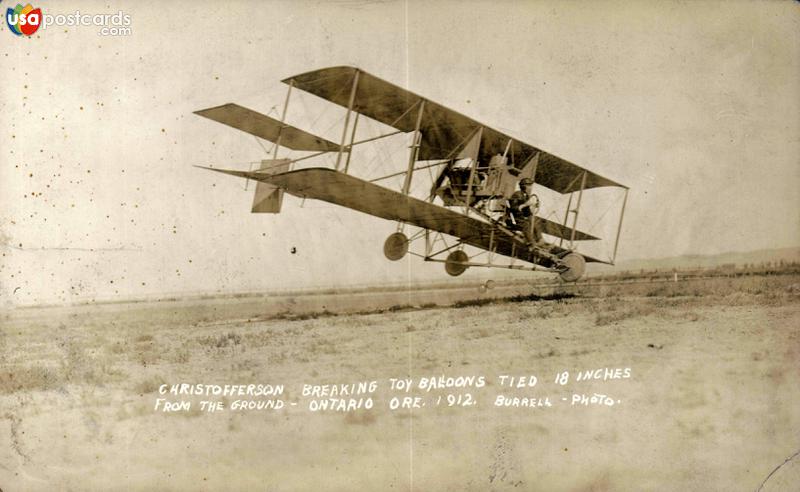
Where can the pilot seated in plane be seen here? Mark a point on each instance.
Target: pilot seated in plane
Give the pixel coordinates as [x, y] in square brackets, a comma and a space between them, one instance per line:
[523, 206]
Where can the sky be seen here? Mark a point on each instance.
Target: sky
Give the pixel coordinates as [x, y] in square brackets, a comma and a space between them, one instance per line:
[694, 106]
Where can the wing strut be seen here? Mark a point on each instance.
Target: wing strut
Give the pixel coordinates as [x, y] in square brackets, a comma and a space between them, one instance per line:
[619, 225]
[352, 140]
[569, 207]
[283, 120]
[412, 156]
[347, 118]
[577, 211]
[474, 157]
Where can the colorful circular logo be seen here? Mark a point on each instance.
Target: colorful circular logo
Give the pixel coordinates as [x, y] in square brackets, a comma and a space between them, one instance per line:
[23, 20]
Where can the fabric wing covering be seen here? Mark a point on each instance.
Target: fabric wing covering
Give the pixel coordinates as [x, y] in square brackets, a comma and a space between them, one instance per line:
[354, 193]
[443, 129]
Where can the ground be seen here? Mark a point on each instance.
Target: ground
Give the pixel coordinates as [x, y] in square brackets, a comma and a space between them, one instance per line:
[712, 401]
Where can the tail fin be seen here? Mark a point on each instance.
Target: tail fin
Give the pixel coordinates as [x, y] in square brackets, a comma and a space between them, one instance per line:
[268, 197]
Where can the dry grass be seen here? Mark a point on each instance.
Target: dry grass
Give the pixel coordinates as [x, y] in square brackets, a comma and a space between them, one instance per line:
[85, 386]
[777, 287]
[87, 353]
[616, 315]
[149, 385]
[222, 340]
[21, 378]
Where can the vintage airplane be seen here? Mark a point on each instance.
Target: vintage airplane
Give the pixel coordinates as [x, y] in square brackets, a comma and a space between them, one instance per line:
[478, 169]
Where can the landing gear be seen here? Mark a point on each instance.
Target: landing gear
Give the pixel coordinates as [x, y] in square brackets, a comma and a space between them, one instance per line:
[575, 266]
[456, 263]
[396, 246]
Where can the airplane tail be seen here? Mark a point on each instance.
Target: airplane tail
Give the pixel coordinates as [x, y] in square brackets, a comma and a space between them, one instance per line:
[268, 197]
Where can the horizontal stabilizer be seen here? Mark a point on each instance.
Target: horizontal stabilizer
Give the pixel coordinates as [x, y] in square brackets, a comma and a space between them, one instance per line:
[267, 128]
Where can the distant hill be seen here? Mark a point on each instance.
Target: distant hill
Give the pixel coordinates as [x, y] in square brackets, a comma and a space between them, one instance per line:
[709, 261]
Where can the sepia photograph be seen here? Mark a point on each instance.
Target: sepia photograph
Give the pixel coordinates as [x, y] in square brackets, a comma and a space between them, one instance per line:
[400, 245]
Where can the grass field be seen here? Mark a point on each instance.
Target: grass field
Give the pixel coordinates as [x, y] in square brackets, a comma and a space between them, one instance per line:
[712, 402]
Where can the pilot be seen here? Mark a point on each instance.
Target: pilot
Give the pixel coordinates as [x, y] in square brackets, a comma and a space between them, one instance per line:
[524, 205]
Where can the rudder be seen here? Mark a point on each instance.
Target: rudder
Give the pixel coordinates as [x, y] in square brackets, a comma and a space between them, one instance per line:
[268, 197]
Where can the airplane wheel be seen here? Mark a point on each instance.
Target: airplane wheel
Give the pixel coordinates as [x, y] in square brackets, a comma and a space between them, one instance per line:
[396, 246]
[454, 264]
[575, 264]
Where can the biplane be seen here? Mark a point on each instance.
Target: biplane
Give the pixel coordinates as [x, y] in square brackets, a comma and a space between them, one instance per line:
[477, 170]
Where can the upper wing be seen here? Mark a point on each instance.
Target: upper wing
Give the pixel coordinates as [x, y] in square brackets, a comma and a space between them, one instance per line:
[443, 130]
[351, 192]
[267, 128]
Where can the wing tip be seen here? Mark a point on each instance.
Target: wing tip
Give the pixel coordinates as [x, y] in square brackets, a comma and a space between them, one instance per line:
[318, 70]
[202, 112]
